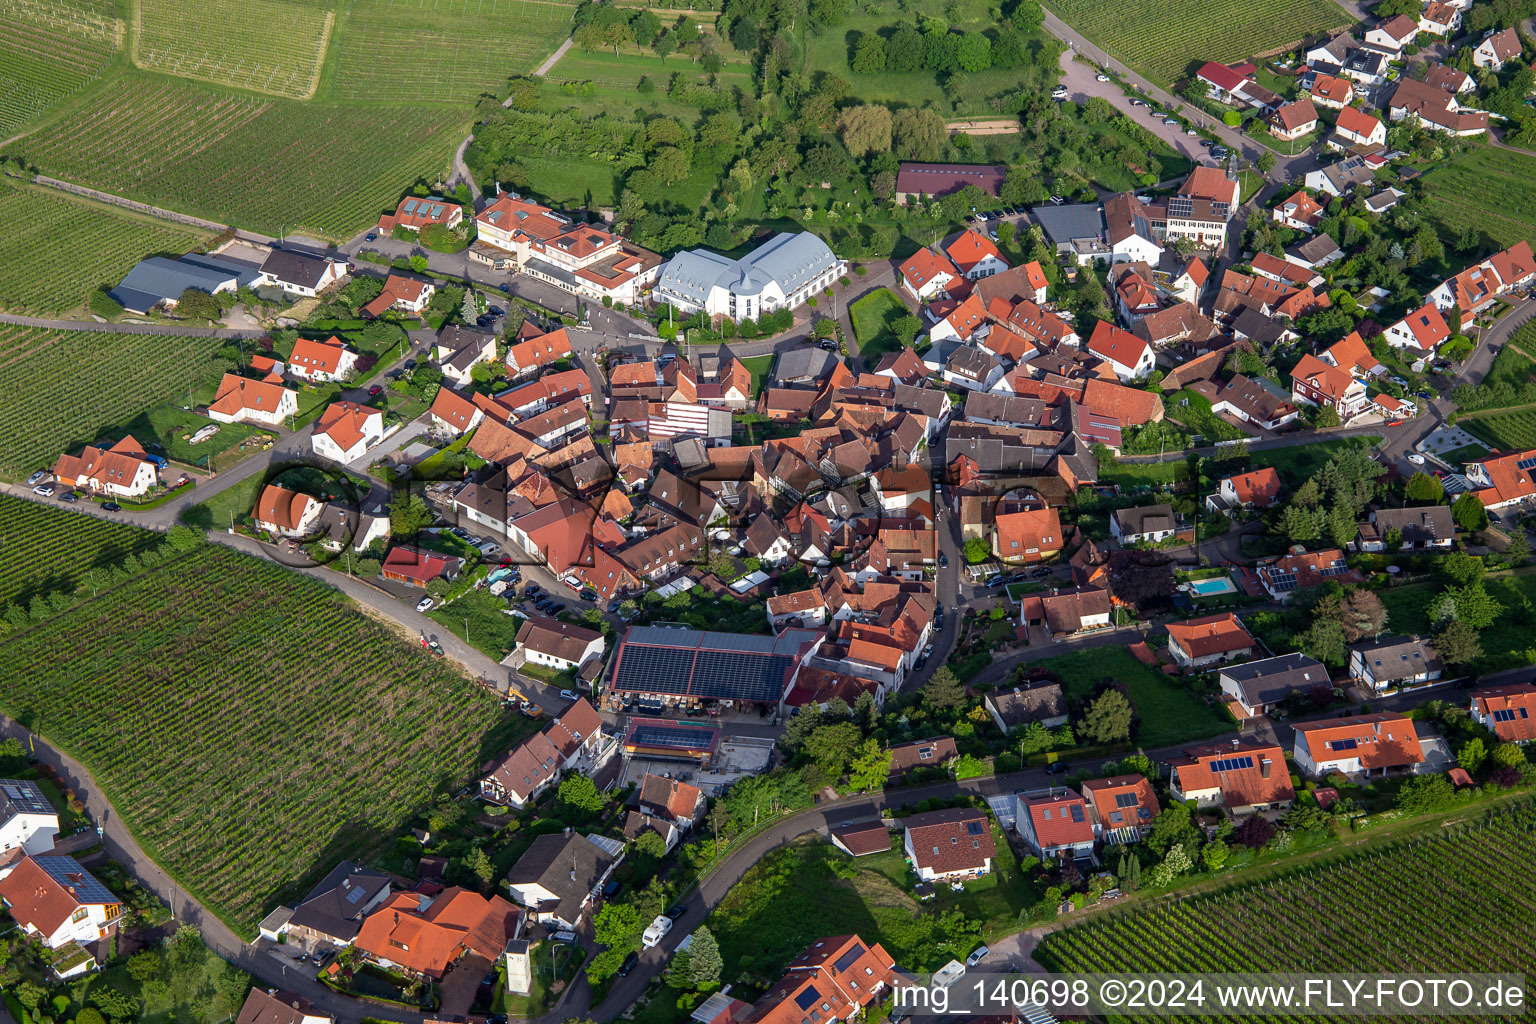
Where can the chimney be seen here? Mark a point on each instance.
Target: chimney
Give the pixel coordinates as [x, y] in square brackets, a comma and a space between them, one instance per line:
[1235, 742]
[1264, 768]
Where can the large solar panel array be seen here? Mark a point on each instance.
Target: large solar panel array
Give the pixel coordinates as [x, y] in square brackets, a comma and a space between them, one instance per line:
[710, 666]
[1232, 764]
[672, 737]
[25, 797]
[67, 871]
[654, 669]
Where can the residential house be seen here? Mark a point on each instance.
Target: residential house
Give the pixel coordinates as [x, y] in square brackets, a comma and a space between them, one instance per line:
[1420, 332]
[1188, 283]
[454, 414]
[346, 430]
[1032, 535]
[415, 213]
[974, 255]
[1252, 400]
[833, 981]
[1243, 776]
[1332, 92]
[315, 360]
[57, 901]
[1314, 382]
[415, 567]
[1300, 211]
[949, 845]
[557, 645]
[1258, 686]
[1021, 706]
[1129, 356]
[934, 753]
[1413, 529]
[1363, 745]
[1356, 128]
[1367, 65]
[299, 273]
[675, 801]
[1054, 823]
[1394, 661]
[406, 294]
[1150, 524]
[278, 1006]
[243, 400]
[1381, 202]
[1076, 610]
[1392, 35]
[1510, 711]
[332, 913]
[1449, 79]
[1339, 177]
[1135, 291]
[1129, 230]
[1497, 49]
[1236, 84]
[1435, 109]
[1181, 322]
[972, 368]
[1210, 640]
[1316, 252]
[1300, 569]
[1439, 19]
[1294, 119]
[1353, 356]
[1257, 488]
[1201, 208]
[340, 527]
[927, 275]
[424, 936]
[123, 470]
[560, 876]
[1477, 287]
[285, 513]
[531, 356]
[527, 770]
[1123, 807]
[459, 350]
[28, 821]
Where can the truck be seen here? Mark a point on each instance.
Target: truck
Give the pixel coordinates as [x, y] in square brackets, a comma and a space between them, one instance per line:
[657, 931]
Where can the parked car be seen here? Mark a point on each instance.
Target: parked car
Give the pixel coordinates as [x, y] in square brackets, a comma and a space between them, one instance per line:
[676, 911]
[1101, 77]
[370, 237]
[1416, 458]
[1190, 131]
[1207, 143]
[570, 695]
[1170, 122]
[409, 364]
[1039, 572]
[111, 506]
[1425, 394]
[532, 589]
[1057, 200]
[496, 311]
[979, 954]
[46, 490]
[424, 604]
[589, 595]
[459, 532]
[1394, 423]
[69, 497]
[1055, 767]
[375, 391]
[829, 345]
[37, 477]
[628, 964]
[1219, 152]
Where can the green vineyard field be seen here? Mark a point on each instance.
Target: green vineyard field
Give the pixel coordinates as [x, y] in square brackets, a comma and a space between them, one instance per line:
[58, 247]
[1506, 431]
[1164, 37]
[443, 50]
[250, 725]
[45, 549]
[1454, 901]
[1488, 190]
[271, 46]
[61, 389]
[49, 50]
[265, 164]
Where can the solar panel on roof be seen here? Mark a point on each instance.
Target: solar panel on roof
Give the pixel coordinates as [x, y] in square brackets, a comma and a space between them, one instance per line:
[1526, 463]
[1231, 764]
[1504, 715]
[1345, 744]
[805, 1000]
[1125, 799]
[975, 828]
[849, 958]
[671, 737]
[66, 871]
[1077, 813]
[355, 894]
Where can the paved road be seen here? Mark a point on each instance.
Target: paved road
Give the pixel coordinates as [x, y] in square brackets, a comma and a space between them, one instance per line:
[92, 325]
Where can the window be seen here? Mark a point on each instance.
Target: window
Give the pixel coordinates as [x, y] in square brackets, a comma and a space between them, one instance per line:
[80, 915]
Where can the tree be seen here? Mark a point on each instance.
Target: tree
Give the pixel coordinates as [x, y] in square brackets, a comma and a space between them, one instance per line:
[438, 587]
[1508, 755]
[1461, 568]
[665, 43]
[197, 304]
[707, 963]
[832, 746]
[408, 516]
[1458, 643]
[651, 844]
[943, 689]
[1362, 615]
[1173, 827]
[1326, 417]
[1215, 856]
[1266, 161]
[868, 55]
[1471, 604]
[580, 792]
[479, 864]
[645, 26]
[104, 305]
[905, 328]
[865, 128]
[871, 767]
[1255, 831]
[1519, 548]
[977, 550]
[145, 967]
[1472, 754]
[419, 263]
[1469, 513]
[1425, 489]
[975, 52]
[1107, 719]
[1324, 640]
[919, 134]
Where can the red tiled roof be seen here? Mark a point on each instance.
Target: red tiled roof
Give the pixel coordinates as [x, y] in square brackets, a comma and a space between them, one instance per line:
[1257, 487]
[1018, 532]
[1353, 355]
[1267, 780]
[1212, 634]
[949, 841]
[1358, 122]
[1110, 342]
[1383, 740]
[1296, 114]
[417, 565]
[924, 266]
[1112, 812]
[1520, 700]
[1427, 326]
[316, 356]
[540, 351]
[1059, 819]
[281, 507]
[35, 898]
[970, 249]
[1335, 90]
[343, 423]
[864, 838]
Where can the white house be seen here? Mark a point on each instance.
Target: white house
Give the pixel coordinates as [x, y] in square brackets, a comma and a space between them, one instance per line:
[243, 400]
[951, 844]
[782, 273]
[1358, 128]
[1496, 49]
[1439, 19]
[1361, 745]
[1423, 330]
[1148, 524]
[1392, 35]
[56, 900]
[1128, 355]
[1394, 661]
[557, 645]
[286, 513]
[317, 360]
[346, 431]
[459, 350]
[402, 293]
[121, 471]
[974, 255]
[299, 273]
[1196, 643]
[1055, 823]
[28, 821]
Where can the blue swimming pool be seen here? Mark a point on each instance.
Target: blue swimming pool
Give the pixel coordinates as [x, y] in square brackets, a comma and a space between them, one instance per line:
[1210, 588]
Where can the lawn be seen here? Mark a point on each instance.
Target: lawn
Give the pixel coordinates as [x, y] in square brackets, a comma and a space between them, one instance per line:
[1166, 711]
[1466, 453]
[1506, 643]
[58, 247]
[759, 367]
[1166, 38]
[49, 50]
[489, 631]
[1487, 190]
[170, 427]
[60, 390]
[257, 727]
[599, 81]
[279, 166]
[1298, 463]
[872, 317]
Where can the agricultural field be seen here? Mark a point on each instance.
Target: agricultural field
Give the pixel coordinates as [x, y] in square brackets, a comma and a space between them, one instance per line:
[1166, 39]
[1487, 190]
[271, 165]
[1504, 431]
[412, 51]
[62, 389]
[1478, 919]
[270, 46]
[58, 247]
[50, 50]
[44, 549]
[257, 727]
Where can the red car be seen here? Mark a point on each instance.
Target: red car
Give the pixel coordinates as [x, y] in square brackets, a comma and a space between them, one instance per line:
[1394, 423]
[375, 391]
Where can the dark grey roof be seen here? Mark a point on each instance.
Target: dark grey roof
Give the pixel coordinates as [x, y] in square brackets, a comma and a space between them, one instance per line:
[1419, 525]
[698, 664]
[1147, 519]
[931, 402]
[334, 907]
[294, 267]
[1399, 657]
[1255, 326]
[18, 796]
[1070, 221]
[275, 1007]
[156, 279]
[973, 363]
[1025, 704]
[553, 860]
[1273, 679]
[802, 364]
[1316, 249]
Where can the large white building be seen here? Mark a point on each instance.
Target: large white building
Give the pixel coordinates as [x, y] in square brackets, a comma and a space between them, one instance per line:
[780, 274]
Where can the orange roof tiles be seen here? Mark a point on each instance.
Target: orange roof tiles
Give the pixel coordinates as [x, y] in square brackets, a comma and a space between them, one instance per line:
[1383, 740]
[924, 266]
[315, 356]
[540, 351]
[970, 250]
[281, 507]
[238, 394]
[1246, 773]
[1121, 347]
[345, 423]
[1112, 812]
[1257, 487]
[1512, 710]
[1212, 634]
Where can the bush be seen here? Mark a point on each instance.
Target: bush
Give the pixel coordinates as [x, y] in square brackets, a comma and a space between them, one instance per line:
[860, 270]
[104, 305]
